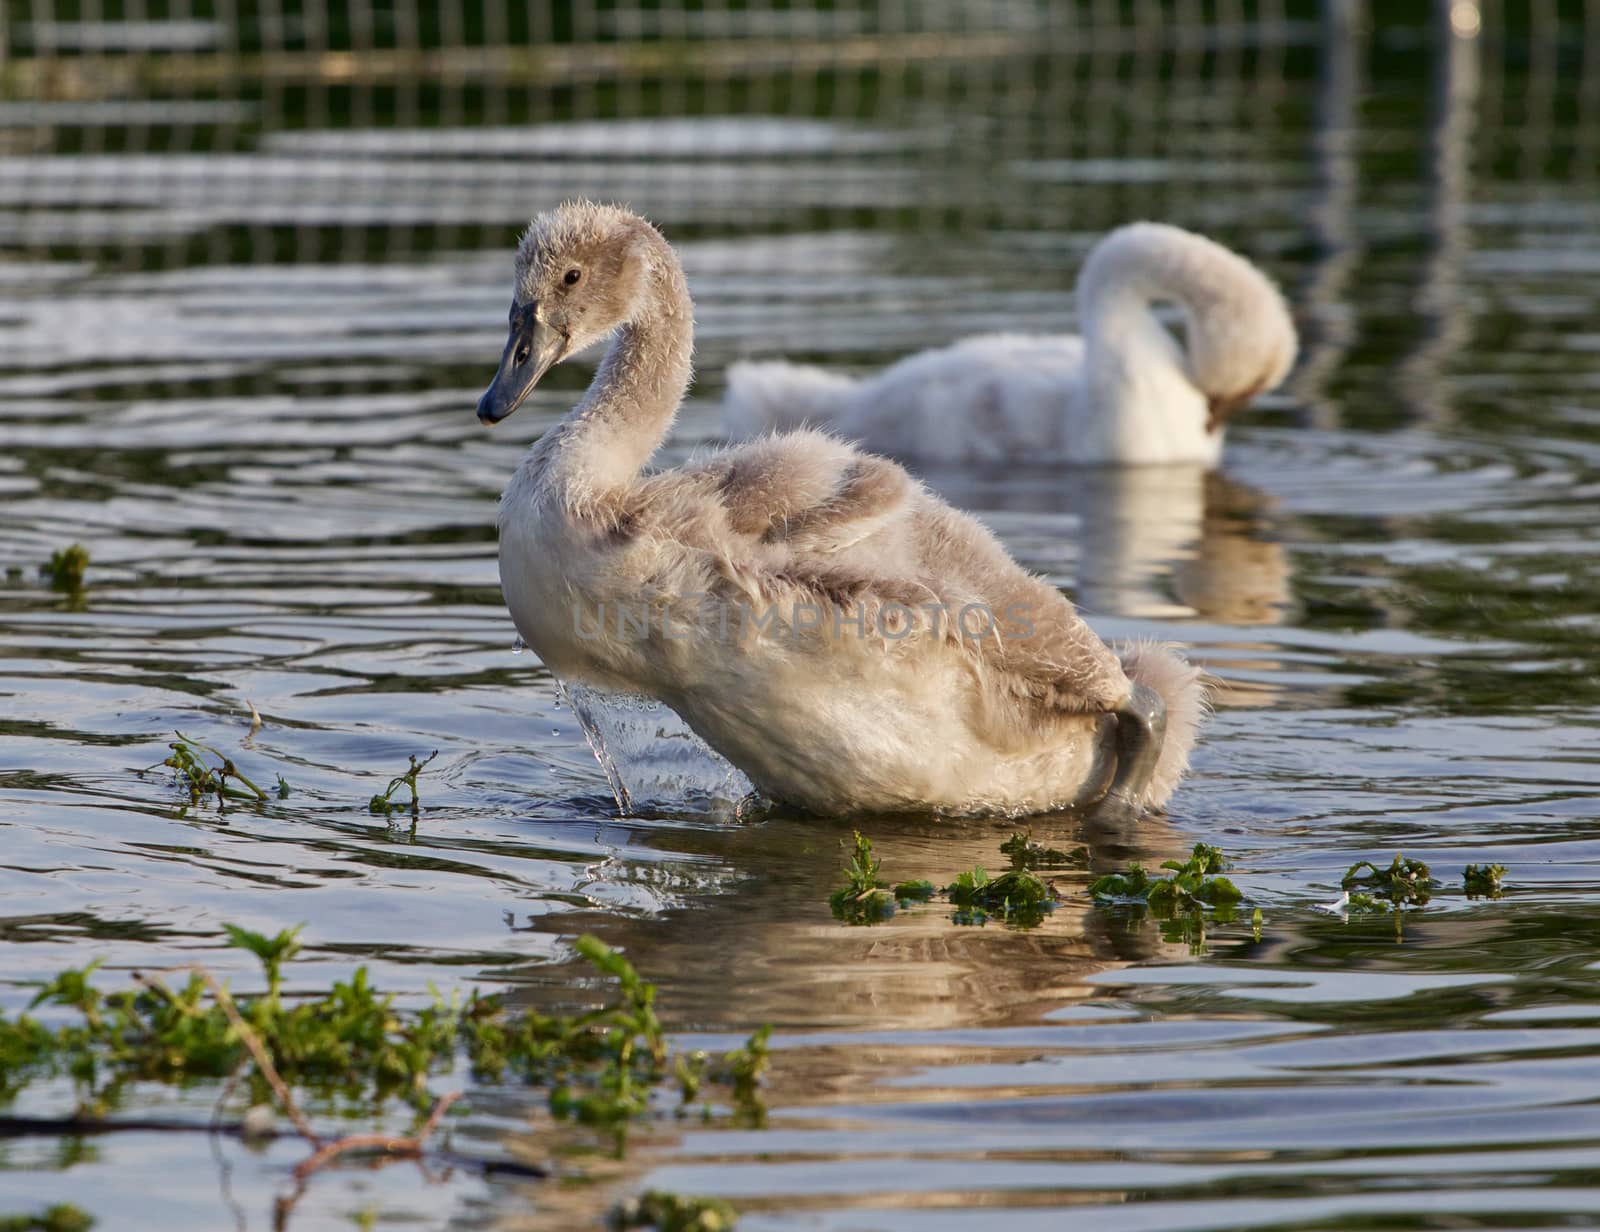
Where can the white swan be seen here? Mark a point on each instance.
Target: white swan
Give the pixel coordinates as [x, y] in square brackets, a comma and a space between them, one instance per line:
[823, 621]
[1126, 392]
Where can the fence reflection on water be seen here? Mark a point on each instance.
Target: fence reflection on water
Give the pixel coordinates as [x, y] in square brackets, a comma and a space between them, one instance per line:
[162, 134]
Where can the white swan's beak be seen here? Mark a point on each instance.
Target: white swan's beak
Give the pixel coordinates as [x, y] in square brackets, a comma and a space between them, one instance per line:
[531, 350]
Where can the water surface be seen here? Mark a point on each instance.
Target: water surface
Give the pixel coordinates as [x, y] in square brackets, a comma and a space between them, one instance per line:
[240, 345]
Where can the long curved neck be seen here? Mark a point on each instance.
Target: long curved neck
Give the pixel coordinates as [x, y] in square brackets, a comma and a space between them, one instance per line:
[1126, 275]
[1239, 338]
[1141, 397]
[605, 441]
[1145, 396]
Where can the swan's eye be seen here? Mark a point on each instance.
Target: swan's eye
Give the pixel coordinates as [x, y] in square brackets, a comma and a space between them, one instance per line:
[572, 276]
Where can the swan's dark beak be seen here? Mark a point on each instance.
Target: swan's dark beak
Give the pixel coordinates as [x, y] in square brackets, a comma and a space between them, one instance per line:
[1222, 406]
[531, 350]
[1221, 410]
[1141, 729]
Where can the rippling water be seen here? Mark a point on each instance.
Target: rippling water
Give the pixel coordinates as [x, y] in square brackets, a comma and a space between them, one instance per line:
[242, 371]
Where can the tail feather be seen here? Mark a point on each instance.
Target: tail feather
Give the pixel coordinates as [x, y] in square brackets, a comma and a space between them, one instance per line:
[774, 396]
[1182, 687]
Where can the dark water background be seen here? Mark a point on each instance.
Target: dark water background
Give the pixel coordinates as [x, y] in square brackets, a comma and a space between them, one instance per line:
[246, 304]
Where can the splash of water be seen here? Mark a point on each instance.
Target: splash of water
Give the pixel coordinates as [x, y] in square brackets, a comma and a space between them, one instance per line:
[648, 753]
[579, 698]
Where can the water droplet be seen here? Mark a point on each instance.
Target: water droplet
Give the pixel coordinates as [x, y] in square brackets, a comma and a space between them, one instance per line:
[518, 645]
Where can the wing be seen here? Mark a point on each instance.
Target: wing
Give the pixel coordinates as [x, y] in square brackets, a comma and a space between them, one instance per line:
[1026, 629]
[806, 509]
[807, 492]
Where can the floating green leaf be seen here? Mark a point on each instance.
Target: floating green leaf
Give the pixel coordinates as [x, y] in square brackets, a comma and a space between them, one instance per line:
[1403, 883]
[1023, 852]
[62, 1217]
[667, 1212]
[1019, 897]
[66, 567]
[1180, 901]
[864, 898]
[1192, 883]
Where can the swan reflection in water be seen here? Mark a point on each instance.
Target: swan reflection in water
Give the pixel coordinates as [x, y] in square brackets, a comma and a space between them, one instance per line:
[1152, 542]
[732, 924]
[744, 906]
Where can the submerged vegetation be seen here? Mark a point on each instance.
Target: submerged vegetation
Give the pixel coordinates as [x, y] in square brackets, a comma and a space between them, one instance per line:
[66, 568]
[1019, 897]
[1023, 852]
[221, 777]
[201, 779]
[1193, 884]
[383, 803]
[1183, 902]
[1405, 883]
[352, 1050]
[864, 898]
[666, 1212]
[62, 1217]
[1483, 880]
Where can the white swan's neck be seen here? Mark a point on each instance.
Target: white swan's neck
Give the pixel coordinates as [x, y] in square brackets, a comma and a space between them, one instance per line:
[606, 440]
[1141, 403]
[1128, 273]
[1238, 339]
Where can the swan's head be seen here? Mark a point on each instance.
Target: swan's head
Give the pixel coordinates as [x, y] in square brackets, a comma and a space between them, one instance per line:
[1239, 339]
[582, 271]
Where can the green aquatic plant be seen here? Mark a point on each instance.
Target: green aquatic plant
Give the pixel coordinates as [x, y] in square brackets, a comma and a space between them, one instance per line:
[1193, 884]
[669, 1212]
[62, 1217]
[1405, 883]
[66, 567]
[1132, 883]
[1019, 897]
[603, 1068]
[272, 952]
[1359, 902]
[864, 898]
[1483, 880]
[1023, 852]
[383, 804]
[201, 779]
[1183, 903]
[352, 1048]
[968, 886]
[741, 1072]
